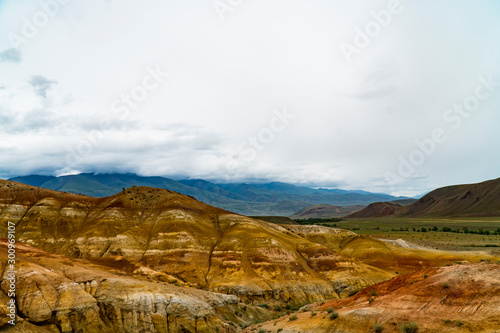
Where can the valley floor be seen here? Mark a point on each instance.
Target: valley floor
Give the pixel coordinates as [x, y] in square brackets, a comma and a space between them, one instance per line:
[409, 229]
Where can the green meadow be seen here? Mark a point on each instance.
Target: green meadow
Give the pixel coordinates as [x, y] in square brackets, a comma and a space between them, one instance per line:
[478, 233]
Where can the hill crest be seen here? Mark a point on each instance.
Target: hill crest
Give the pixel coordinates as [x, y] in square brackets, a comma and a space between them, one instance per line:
[325, 211]
[480, 199]
[273, 198]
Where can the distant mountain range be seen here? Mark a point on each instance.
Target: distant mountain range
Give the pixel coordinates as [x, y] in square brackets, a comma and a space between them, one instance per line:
[481, 199]
[248, 199]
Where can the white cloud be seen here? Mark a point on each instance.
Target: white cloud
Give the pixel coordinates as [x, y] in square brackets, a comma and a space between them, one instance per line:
[353, 121]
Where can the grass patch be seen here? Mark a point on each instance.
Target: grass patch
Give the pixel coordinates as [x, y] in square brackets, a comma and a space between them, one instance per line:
[296, 307]
[318, 220]
[410, 327]
[460, 234]
[334, 315]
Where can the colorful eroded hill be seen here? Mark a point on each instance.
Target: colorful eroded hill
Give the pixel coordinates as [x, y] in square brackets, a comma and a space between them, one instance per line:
[158, 241]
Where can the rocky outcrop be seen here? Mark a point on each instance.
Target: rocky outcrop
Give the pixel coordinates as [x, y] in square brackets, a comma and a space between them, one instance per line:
[459, 298]
[151, 260]
[63, 295]
[173, 238]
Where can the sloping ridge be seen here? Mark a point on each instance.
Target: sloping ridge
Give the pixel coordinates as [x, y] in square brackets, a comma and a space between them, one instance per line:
[325, 211]
[482, 199]
[377, 209]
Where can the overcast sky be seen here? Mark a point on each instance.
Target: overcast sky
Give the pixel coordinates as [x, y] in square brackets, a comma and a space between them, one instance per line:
[387, 96]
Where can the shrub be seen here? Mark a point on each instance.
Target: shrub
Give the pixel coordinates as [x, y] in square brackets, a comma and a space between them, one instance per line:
[446, 285]
[377, 328]
[313, 314]
[279, 330]
[410, 327]
[334, 315]
[288, 306]
[370, 300]
[426, 276]
[330, 310]
[373, 292]
[262, 330]
[292, 317]
[263, 306]
[277, 308]
[458, 322]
